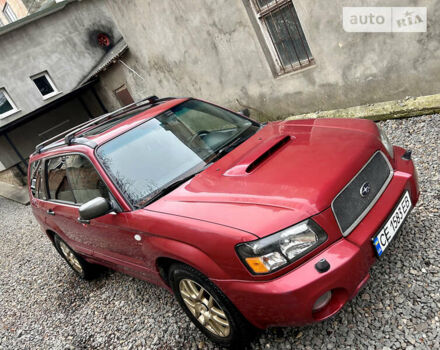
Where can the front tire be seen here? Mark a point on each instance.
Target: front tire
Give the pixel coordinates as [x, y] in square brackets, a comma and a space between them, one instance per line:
[81, 267]
[208, 308]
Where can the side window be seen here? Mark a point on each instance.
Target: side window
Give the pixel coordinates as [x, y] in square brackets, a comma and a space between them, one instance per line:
[37, 181]
[59, 185]
[85, 181]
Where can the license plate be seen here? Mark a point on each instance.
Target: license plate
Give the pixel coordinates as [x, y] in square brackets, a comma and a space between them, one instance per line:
[389, 230]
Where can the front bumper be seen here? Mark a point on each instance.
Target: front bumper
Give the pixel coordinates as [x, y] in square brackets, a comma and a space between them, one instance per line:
[289, 299]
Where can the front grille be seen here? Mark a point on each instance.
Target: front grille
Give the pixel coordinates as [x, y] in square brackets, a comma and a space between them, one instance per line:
[349, 206]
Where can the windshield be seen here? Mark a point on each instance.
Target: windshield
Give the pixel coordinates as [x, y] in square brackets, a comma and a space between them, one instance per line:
[165, 149]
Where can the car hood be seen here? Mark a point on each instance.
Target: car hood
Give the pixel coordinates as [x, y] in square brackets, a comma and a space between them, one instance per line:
[285, 173]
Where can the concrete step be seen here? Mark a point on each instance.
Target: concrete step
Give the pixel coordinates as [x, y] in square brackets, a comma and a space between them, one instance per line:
[15, 193]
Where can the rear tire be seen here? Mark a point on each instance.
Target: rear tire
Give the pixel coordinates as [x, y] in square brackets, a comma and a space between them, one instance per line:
[82, 268]
[209, 309]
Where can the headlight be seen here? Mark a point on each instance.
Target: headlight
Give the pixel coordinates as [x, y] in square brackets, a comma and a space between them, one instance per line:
[386, 142]
[282, 248]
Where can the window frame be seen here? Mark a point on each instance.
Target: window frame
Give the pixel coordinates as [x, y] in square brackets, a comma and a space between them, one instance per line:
[51, 83]
[44, 161]
[72, 184]
[9, 13]
[37, 166]
[11, 102]
[260, 14]
[49, 197]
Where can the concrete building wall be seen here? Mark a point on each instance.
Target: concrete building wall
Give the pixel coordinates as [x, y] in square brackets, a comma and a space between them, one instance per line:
[118, 76]
[63, 44]
[214, 50]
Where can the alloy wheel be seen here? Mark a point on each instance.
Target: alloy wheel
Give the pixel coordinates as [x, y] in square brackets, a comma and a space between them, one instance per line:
[204, 307]
[70, 257]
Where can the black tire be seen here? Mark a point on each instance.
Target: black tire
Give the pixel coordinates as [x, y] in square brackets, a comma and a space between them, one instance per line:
[83, 269]
[240, 331]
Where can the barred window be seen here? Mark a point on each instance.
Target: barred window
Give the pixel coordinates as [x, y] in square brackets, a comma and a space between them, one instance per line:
[284, 34]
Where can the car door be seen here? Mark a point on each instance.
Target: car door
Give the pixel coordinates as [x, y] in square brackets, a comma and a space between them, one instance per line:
[62, 208]
[109, 236]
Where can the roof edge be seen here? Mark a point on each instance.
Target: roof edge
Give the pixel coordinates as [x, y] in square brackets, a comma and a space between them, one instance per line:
[109, 58]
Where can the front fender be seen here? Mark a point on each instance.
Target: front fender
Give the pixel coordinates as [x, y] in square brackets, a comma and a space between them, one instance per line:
[185, 253]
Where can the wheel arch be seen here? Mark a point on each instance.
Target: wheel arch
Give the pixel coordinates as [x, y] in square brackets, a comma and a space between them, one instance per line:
[163, 265]
[51, 234]
[169, 251]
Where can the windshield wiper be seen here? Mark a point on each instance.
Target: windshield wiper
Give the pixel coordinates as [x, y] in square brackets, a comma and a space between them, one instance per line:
[228, 148]
[163, 191]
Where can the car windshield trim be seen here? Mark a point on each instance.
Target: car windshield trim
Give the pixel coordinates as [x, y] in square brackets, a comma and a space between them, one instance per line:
[251, 128]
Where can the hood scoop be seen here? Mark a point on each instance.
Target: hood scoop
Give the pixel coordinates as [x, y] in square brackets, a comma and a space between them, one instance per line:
[258, 155]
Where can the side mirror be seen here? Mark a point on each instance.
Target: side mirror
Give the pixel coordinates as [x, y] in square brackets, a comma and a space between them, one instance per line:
[94, 209]
[245, 112]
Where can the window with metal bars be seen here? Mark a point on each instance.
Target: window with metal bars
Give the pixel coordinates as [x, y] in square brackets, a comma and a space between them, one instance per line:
[284, 34]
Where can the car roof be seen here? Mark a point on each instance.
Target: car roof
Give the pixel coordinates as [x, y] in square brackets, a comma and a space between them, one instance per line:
[97, 134]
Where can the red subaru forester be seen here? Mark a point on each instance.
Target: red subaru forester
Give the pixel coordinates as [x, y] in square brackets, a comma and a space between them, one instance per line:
[250, 225]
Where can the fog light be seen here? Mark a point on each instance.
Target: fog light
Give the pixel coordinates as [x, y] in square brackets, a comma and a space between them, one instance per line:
[322, 301]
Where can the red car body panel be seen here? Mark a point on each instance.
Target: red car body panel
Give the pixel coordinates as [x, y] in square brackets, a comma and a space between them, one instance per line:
[201, 222]
[288, 299]
[287, 187]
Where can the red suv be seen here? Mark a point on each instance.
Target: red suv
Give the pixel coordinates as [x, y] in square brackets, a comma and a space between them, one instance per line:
[249, 225]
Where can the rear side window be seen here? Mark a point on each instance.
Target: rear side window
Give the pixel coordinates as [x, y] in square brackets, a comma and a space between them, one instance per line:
[59, 185]
[37, 180]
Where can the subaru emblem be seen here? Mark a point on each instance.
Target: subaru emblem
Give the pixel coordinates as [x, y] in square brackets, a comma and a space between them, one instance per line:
[365, 189]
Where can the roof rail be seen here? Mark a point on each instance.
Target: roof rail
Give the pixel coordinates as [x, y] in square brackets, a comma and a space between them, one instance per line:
[149, 100]
[69, 135]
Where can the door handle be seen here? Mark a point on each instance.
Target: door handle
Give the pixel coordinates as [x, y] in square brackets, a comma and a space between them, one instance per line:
[50, 212]
[83, 221]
